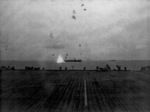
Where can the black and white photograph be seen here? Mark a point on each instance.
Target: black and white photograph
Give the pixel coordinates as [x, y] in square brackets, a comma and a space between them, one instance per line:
[74, 55]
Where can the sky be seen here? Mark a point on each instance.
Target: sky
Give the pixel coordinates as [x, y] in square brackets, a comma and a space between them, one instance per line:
[81, 29]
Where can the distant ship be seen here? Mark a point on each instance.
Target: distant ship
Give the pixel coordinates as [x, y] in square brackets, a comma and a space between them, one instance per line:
[74, 60]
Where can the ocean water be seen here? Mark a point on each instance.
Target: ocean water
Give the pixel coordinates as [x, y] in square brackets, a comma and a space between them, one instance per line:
[90, 65]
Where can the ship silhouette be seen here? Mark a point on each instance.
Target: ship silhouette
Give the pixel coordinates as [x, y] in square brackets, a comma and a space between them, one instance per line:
[73, 60]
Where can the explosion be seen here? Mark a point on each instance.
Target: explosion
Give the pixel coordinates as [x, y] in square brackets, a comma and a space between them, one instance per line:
[60, 59]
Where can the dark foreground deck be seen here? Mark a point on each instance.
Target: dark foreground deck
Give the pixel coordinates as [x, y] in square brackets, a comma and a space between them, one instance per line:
[74, 91]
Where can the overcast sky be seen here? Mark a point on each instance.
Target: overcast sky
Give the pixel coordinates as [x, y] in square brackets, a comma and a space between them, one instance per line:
[82, 29]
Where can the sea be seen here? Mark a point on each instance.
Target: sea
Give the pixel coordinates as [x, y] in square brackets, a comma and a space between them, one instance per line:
[89, 65]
